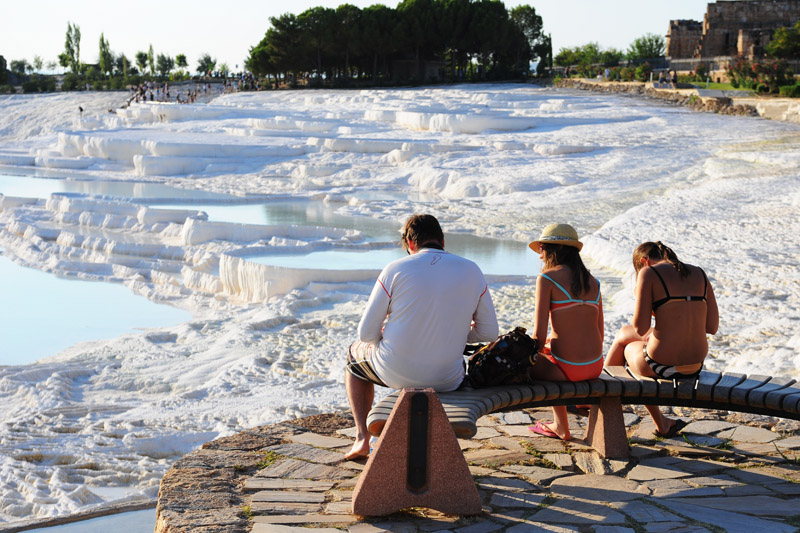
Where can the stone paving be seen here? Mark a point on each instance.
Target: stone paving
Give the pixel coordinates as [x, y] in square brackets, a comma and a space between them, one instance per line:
[727, 472]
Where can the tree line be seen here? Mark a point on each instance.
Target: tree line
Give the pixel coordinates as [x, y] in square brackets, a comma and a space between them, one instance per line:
[417, 40]
[112, 70]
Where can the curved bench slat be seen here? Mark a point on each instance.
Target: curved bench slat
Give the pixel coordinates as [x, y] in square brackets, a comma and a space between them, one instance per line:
[666, 388]
[722, 390]
[631, 387]
[775, 399]
[566, 389]
[757, 397]
[603, 385]
[582, 389]
[686, 389]
[740, 392]
[612, 385]
[705, 385]
[791, 403]
[649, 387]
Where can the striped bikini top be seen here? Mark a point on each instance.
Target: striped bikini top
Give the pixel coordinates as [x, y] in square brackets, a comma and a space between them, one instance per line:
[557, 305]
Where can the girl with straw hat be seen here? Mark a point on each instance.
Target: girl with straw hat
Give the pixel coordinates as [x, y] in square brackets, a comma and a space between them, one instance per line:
[568, 300]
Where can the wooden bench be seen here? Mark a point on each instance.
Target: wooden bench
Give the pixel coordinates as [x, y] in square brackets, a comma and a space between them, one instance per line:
[727, 391]
[417, 461]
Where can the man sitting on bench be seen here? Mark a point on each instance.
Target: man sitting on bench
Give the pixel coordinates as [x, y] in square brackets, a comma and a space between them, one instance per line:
[422, 311]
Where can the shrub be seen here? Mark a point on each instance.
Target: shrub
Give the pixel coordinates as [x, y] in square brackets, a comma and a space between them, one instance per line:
[790, 91]
[762, 88]
[7, 89]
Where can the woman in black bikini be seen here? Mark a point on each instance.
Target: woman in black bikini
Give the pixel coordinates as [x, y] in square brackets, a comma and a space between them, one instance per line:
[682, 301]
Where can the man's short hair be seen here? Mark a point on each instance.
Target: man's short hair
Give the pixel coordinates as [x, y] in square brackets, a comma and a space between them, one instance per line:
[422, 229]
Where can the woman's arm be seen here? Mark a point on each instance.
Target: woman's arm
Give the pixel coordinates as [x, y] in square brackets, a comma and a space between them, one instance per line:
[541, 314]
[712, 312]
[644, 301]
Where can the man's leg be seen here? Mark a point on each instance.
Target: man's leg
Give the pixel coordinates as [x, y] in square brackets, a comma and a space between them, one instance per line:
[360, 394]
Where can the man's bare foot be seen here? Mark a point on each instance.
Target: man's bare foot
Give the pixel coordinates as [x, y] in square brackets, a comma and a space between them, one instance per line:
[360, 450]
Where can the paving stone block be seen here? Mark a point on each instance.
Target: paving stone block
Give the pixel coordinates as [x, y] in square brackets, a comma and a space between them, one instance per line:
[509, 443]
[749, 434]
[524, 500]
[666, 488]
[295, 469]
[589, 463]
[485, 526]
[485, 432]
[597, 488]
[305, 519]
[285, 508]
[320, 441]
[562, 461]
[582, 512]
[717, 480]
[708, 427]
[613, 529]
[649, 473]
[287, 496]
[704, 440]
[763, 452]
[643, 512]
[307, 453]
[699, 466]
[506, 484]
[348, 432]
[788, 489]
[792, 443]
[535, 474]
[747, 490]
[514, 417]
[731, 522]
[382, 527]
[494, 457]
[278, 528]
[277, 483]
[752, 505]
[529, 526]
[481, 470]
[630, 419]
[515, 431]
[469, 444]
[674, 527]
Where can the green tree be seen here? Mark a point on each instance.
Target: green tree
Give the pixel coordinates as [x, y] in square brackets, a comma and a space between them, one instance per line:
[347, 36]
[785, 44]
[205, 64]
[20, 67]
[164, 64]
[122, 64]
[180, 61]
[71, 56]
[151, 60]
[378, 23]
[38, 63]
[647, 46]
[106, 58]
[3, 71]
[141, 60]
[317, 25]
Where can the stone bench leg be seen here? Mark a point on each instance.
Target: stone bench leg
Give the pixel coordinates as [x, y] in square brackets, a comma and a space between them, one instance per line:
[417, 462]
[606, 430]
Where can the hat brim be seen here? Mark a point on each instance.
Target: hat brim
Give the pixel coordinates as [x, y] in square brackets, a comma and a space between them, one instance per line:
[536, 246]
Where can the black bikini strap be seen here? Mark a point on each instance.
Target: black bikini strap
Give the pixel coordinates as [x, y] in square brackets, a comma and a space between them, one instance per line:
[666, 291]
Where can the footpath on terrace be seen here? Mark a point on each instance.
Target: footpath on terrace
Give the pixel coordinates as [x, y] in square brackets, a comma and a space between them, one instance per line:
[727, 102]
[727, 472]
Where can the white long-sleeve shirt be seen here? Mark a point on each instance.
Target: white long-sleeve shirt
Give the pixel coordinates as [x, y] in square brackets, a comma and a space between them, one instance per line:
[422, 311]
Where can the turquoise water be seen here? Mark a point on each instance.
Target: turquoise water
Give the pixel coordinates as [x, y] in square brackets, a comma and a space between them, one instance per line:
[35, 187]
[494, 257]
[132, 522]
[43, 314]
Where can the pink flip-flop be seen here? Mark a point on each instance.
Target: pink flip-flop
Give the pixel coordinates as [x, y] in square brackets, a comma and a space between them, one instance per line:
[544, 431]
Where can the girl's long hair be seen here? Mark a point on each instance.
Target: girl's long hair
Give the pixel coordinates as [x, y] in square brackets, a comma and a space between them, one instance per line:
[559, 254]
[658, 251]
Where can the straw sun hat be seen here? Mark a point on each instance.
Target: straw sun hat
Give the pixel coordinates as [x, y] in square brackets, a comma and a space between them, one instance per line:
[557, 234]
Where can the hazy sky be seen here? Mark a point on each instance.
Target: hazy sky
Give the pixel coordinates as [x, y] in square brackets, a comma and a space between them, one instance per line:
[227, 29]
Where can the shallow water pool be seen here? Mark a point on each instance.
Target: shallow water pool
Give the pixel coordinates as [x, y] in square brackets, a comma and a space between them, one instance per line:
[132, 522]
[43, 314]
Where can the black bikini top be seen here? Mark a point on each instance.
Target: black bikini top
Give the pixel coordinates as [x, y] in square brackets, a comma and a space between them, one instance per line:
[668, 298]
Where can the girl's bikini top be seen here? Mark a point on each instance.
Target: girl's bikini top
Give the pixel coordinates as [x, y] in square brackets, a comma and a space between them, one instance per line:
[668, 298]
[557, 305]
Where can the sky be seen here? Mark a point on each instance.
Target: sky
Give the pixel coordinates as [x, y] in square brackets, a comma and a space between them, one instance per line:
[226, 29]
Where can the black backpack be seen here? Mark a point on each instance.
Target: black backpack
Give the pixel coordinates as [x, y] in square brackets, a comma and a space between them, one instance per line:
[501, 362]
